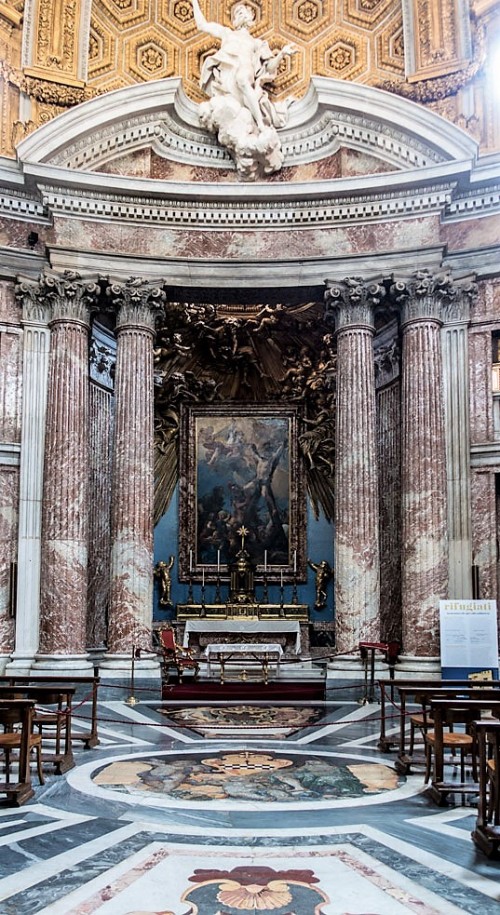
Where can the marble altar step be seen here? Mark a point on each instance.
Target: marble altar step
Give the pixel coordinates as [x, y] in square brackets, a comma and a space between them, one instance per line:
[210, 690]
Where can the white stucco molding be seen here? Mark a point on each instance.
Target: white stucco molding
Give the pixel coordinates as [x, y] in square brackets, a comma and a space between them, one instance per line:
[432, 165]
[207, 272]
[14, 261]
[486, 455]
[392, 128]
[10, 454]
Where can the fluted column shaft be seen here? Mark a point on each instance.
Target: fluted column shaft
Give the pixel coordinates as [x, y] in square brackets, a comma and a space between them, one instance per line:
[357, 561]
[63, 603]
[131, 604]
[424, 490]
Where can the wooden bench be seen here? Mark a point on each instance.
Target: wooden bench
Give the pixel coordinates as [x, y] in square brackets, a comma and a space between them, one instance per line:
[486, 834]
[89, 738]
[17, 714]
[465, 710]
[53, 723]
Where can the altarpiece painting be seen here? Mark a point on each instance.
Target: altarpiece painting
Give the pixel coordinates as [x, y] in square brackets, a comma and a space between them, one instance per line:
[240, 470]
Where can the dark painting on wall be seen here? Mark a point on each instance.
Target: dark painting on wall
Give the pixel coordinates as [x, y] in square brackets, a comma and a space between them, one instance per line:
[240, 470]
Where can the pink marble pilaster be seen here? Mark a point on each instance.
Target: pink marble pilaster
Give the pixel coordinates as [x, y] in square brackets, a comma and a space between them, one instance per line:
[63, 603]
[357, 571]
[424, 485]
[131, 591]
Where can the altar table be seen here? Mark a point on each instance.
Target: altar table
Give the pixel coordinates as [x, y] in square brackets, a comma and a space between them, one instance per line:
[266, 627]
[263, 652]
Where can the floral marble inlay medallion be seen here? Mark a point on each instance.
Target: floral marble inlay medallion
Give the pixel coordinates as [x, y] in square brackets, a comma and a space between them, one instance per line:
[248, 776]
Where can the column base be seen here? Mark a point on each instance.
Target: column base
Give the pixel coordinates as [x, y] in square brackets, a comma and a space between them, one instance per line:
[63, 665]
[4, 662]
[345, 666]
[413, 667]
[144, 665]
[19, 664]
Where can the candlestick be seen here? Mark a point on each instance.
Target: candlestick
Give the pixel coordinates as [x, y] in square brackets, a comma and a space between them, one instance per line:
[281, 578]
[295, 560]
[190, 560]
[218, 561]
[265, 560]
[202, 611]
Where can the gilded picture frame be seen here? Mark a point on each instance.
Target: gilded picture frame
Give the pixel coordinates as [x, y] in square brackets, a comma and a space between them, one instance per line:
[239, 468]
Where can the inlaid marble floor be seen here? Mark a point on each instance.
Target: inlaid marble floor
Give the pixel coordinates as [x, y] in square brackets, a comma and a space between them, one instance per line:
[200, 811]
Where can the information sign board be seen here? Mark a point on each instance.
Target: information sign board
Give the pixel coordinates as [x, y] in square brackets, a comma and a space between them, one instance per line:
[469, 639]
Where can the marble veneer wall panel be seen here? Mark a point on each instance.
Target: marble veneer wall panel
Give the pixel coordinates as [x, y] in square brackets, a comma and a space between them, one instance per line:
[484, 531]
[389, 452]
[484, 501]
[101, 432]
[481, 401]
[9, 497]
[10, 367]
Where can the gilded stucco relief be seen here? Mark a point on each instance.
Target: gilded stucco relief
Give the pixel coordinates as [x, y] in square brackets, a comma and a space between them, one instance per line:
[10, 59]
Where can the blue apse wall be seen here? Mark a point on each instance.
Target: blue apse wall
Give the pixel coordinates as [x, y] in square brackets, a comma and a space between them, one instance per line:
[319, 546]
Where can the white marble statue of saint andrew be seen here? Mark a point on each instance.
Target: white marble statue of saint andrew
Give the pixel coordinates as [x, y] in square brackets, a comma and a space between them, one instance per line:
[235, 77]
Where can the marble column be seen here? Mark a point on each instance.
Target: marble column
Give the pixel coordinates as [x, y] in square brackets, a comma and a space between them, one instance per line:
[424, 484]
[357, 566]
[131, 592]
[36, 339]
[63, 603]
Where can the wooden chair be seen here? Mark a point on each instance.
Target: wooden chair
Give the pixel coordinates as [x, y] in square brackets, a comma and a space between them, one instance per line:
[18, 737]
[461, 742]
[447, 712]
[174, 656]
[486, 834]
[52, 719]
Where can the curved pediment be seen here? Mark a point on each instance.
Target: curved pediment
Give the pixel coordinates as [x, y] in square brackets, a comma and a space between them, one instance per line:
[339, 130]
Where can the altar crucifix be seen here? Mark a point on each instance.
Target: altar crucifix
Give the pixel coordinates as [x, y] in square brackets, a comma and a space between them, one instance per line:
[242, 531]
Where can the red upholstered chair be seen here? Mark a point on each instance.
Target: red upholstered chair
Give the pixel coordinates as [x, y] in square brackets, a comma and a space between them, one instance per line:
[174, 656]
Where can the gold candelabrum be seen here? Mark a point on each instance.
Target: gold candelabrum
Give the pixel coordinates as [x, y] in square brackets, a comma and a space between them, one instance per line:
[241, 599]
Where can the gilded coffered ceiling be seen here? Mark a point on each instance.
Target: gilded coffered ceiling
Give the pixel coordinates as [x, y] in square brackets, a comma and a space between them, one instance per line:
[136, 40]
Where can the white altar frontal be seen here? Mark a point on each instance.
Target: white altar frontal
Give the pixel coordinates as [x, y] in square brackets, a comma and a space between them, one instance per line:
[251, 632]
